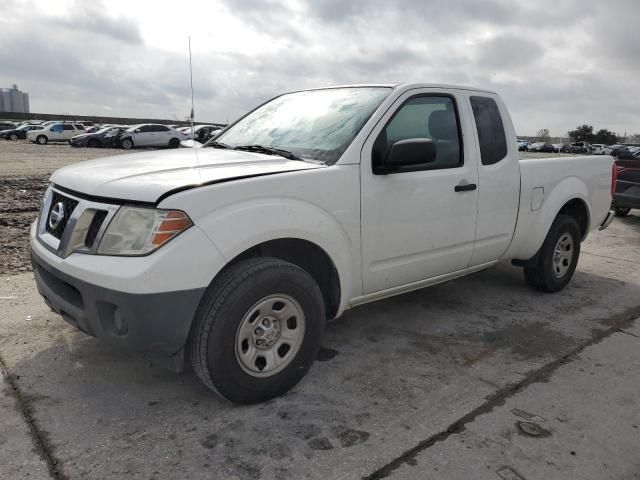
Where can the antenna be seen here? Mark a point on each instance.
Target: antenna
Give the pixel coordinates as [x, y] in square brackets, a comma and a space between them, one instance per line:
[193, 133]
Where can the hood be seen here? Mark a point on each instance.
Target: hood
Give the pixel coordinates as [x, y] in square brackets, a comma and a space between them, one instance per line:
[145, 177]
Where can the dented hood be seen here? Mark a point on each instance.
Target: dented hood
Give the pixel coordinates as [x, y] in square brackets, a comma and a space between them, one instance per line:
[147, 176]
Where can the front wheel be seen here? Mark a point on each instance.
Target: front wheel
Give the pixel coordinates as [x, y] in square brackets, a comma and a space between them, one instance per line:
[13, 137]
[558, 257]
[127, 144]
[622, 212]
[42, 140]
[258, 330]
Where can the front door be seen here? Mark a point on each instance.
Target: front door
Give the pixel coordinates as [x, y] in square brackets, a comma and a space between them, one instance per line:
[420, 224]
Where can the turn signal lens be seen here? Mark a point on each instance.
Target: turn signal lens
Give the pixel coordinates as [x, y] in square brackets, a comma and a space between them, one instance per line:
[173, 224]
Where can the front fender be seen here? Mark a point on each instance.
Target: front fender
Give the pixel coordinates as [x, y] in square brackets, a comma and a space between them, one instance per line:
[240, 226]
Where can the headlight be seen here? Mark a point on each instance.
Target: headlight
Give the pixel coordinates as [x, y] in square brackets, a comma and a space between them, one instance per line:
[139, 231]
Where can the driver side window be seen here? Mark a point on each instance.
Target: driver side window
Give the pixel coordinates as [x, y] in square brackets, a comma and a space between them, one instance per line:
[431, 117]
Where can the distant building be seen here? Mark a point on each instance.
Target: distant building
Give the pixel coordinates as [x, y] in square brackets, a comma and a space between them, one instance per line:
[13, 100]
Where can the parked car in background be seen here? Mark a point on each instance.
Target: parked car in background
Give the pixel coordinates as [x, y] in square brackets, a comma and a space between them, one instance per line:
[18, 133]
[541, 147]
[103, 137]
[523, 145]
[581, 147]
[151, 135]
[56, 132]
[7, 126]
[202, 132]
[617, 149]
[556, 147]
[627, 192]
[234, 256]
[597, 149]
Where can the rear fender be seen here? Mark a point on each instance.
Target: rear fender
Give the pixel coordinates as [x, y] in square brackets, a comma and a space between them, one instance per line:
[533, 226]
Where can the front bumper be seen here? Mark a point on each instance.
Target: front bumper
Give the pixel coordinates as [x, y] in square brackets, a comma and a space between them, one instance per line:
[137, 321]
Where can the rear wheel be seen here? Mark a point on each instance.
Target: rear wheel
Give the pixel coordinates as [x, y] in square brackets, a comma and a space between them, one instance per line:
[258, 330]
[622, 212]
[174, 143]
[558, 257]
[42, 140]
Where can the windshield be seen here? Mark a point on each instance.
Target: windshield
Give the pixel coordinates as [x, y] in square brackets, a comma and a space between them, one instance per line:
[316, 124]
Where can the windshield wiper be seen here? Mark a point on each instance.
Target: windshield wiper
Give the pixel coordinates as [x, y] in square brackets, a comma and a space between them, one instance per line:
[218, 145]
[269, 150]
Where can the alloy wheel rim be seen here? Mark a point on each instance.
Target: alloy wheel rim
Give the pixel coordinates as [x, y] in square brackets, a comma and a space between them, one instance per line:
[270, 335]
[562, 255]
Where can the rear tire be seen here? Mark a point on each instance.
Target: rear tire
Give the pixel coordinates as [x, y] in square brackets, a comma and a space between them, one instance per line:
[558, 257]
[41, 140]
[622, 212]
[257, 330]
[174, 143]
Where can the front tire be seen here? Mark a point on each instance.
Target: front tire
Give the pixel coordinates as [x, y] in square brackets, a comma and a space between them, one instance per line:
[622, 212]
[127, 144]
[13, 137]
[42, 140]
[558, 257]
[258, 330]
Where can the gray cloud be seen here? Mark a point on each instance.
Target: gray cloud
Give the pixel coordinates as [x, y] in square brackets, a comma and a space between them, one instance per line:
[555, 64]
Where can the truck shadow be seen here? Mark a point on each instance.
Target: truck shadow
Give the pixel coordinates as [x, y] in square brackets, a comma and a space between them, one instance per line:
[434, 351]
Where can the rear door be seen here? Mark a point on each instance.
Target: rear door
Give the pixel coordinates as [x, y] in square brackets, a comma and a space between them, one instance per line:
[68, 131]
[498, 178]
[162, 135]
[420, 224]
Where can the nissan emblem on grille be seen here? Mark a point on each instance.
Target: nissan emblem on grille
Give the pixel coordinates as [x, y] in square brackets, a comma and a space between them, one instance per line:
[56, 216]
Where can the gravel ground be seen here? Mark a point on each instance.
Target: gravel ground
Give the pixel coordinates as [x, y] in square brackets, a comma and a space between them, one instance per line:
[24, 172]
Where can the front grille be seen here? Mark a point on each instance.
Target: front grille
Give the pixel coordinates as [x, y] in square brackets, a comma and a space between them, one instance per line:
[68, 205]
[94, 228]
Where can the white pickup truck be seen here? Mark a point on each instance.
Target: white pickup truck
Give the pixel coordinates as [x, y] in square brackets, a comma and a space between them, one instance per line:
[233, 256]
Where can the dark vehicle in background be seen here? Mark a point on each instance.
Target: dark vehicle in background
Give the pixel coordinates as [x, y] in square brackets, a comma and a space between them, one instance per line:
[542, 147]
[581, 147]
[523, 146]
[7, 126]
[627, 194]
[617, 150]
[202, 133]
[105, 137]
[19, 133]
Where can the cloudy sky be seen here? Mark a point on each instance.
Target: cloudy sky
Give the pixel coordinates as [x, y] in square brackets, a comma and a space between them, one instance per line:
[557, 63]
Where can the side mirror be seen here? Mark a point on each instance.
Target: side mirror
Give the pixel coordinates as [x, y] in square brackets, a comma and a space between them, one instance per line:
[410, 154]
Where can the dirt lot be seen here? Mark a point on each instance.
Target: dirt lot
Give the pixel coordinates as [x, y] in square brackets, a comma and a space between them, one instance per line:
[24, 171]
[477, 378]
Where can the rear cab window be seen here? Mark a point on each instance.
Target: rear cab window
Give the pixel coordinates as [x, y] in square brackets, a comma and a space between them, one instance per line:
[491, 136]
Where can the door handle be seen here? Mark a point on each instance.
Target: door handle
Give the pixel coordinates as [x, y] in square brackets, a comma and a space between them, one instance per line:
[465, 188]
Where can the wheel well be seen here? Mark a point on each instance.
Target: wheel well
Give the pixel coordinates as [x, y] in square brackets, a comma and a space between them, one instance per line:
[307, 256]
[577, 209]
